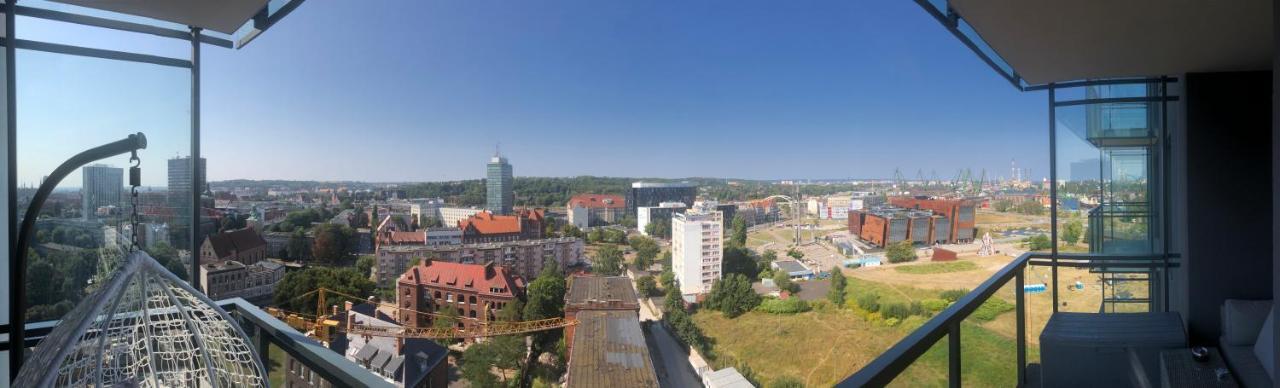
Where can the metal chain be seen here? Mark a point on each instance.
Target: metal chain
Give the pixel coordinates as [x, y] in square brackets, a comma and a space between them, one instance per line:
[135, 180]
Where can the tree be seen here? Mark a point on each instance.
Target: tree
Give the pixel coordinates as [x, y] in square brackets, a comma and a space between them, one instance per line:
[738, 259]
[571, 231]
[609, 261]
[511, 311]
[615, 236]
[431, 222]
[1038, 242]
[290, 292]
[374, 219]
[782, 280]
[646, 250]
[595, 236]
[504, 353]
[446, 318]
[168, 257]
[628, 221]
[739, 231]
[332, 242]
[297, 246]
[545, 294]
[733, 296]
[900, 252]
[666, 260]
[769, 256]
[646, 286]
[658, 229]
[1071, 231]
[795, 254]
[836, 293]
[365, 264]
[667, 279]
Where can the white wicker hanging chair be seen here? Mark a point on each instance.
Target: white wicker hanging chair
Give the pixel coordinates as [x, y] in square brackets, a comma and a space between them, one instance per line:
[144, 328]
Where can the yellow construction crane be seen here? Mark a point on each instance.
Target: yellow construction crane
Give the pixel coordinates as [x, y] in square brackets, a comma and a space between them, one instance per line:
[323, 328]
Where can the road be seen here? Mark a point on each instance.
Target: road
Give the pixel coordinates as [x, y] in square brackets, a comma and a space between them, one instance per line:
[669, 358]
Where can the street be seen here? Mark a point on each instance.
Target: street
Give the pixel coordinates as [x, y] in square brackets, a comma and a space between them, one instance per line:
[669, 358]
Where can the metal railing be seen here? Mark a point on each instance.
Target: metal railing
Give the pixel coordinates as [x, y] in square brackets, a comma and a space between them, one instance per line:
[885, 368]
[326, 363]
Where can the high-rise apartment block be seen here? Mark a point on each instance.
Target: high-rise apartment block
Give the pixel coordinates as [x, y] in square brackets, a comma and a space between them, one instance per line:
[499, 197]
[696, 249]
[101, 187]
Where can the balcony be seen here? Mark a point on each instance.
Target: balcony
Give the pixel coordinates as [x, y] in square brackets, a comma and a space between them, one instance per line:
[267, 333]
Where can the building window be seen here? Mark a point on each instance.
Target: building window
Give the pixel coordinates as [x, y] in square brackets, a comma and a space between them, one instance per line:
[473, 300]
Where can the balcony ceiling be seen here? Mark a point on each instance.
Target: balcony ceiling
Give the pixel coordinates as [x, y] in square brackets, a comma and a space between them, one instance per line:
[1052, 41]
[225, 16]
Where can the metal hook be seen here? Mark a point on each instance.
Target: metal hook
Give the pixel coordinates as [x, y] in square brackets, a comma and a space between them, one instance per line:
[133, 159]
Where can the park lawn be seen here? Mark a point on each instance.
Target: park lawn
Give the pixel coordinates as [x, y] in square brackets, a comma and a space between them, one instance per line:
[275, 366]
[937, 268]
[824, 346]
[889, 293]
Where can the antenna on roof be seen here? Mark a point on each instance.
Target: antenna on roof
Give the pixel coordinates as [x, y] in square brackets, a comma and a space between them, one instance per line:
[497, 149]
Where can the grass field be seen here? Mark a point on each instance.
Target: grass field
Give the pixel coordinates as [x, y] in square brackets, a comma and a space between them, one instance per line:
[824, 346]
[936, 268]
[991, 217]
[275, 366]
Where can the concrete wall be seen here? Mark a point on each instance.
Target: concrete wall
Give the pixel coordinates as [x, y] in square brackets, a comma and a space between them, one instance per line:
[1228, 195]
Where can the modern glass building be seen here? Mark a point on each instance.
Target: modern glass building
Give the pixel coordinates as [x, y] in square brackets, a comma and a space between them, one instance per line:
[645, 194]
[1172, 107]
[101, 185]
[499, 197]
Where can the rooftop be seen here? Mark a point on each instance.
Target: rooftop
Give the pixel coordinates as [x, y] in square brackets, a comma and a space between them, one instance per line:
[646, 185]
[609, 350]
[607, 201]
[239, 240]
[583, 289]
[484, 279]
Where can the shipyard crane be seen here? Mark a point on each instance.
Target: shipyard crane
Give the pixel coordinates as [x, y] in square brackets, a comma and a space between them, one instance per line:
[323, 328]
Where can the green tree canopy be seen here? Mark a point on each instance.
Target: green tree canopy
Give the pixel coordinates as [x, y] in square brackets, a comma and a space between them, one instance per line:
[900, 252]
[332, 242]
[646, 286]
[608, 261]
[733, 296]
[505, 353]
[739, 236]
[836, 293]
[782, 280]
[290, 292]
[1071, 231]
[545, 294]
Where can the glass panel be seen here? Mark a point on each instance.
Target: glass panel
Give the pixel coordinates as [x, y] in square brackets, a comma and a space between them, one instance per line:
[989, 351]
[1108, 190]
[68, 104]
[930, 370]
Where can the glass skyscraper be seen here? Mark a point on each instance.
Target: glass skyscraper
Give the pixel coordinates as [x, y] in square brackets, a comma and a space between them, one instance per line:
[101, 187]
[499, 197]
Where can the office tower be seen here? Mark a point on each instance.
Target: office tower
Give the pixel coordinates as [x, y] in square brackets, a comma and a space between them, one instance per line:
[101, 187]
[499, 198]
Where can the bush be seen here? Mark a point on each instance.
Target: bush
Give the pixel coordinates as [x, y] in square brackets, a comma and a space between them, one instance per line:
[869, 302]
[933, 306]
[991, 309]
[783, 306]
[786, 382]
[900, 252]
[891, 321]
[646, 286]
[951, 296]
[895, 310]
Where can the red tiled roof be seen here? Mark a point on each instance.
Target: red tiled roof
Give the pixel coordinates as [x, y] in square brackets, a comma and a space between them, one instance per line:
[607, 201]
[487, 223]
[484, 279]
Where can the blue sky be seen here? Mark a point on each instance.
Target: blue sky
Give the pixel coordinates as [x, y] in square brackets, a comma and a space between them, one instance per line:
[423, 90]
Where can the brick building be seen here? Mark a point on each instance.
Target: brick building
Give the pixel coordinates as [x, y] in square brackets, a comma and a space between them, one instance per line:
[243, 245]
[918, 220]
[958, 213]
[523, 258]
[486, 227]
[476, 291]
[587, 210]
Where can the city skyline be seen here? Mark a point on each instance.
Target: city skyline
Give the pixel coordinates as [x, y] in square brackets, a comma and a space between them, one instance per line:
[659, 90]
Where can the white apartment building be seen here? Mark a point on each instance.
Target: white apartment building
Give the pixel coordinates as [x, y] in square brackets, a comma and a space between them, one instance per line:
[696, 249]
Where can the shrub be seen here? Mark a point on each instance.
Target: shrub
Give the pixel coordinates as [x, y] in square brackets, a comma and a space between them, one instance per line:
[933, 306]
[891, 322]
[991, 309]
[783, 306]
[900, 252]
[951, 296]
[895, 310]
[869, 302]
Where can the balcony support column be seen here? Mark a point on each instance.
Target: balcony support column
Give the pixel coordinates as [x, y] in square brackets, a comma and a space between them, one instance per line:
[197, 171]
[1053, 193]
[953, 355]
[1020, 306]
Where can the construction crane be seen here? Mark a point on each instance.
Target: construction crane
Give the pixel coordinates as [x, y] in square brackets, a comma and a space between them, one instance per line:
[323, 328]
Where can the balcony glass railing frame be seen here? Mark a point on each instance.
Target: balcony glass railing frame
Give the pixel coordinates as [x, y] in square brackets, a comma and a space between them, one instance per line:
[885, 368]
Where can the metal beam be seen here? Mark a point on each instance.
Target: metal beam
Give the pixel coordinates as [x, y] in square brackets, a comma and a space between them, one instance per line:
[1114, 100]
[96, 53]
[119, 25]
[17, 283]
[196, 171]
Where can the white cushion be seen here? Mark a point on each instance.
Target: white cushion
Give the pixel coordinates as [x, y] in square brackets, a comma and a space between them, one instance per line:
[1265, 348]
